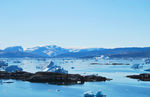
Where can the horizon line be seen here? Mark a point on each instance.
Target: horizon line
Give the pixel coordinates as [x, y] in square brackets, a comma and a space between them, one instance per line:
[25, 48]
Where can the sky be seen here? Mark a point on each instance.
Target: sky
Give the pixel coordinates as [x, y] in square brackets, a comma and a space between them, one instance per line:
[75, 23]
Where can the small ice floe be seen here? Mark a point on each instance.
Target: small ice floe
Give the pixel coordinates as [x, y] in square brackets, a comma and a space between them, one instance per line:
[54, 68]
[8, 82]
[13, 68]
[137, 66]
[72, 67]
[147, 61]
[57, 90]
[41, 59]
[16, 61]
[89, 94]
[3, 64]
[100, 94]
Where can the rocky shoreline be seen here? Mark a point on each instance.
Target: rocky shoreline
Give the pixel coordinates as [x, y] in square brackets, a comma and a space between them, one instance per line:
[51, 78]
[142, 77]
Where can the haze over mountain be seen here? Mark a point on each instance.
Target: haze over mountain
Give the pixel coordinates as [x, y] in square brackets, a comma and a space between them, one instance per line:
[57, 51]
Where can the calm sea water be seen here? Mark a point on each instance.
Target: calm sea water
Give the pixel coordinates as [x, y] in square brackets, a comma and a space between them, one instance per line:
[120, 86]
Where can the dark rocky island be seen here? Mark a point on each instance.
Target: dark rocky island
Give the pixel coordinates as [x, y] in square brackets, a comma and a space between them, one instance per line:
[51, 78]
[142, 77]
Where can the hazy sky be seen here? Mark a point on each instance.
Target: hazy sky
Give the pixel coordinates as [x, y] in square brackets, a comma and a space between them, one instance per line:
[75, 23]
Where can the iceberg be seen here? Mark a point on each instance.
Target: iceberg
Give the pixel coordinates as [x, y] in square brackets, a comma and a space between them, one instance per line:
[13, 68]
[54, 68]
[16, 61]
[89, 94]
[147, 61]
[100, 94]
[137, 66]
[3, 64]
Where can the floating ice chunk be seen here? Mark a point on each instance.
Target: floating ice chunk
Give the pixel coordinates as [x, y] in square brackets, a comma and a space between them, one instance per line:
[57, 90]
[16, 61]
[89, 94]
[147, 61]
[58, 70]
[100, 94]
[13, 68]
[54, 68]
[72, 67]
[3, 64]
[51, 65]
[137, 66]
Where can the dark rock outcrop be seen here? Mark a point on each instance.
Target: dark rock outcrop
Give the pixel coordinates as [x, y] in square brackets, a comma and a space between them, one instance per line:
[50, 77]
[142, 77]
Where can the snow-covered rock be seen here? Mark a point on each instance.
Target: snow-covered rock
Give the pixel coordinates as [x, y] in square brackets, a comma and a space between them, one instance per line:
[89, 94]
[13, 68]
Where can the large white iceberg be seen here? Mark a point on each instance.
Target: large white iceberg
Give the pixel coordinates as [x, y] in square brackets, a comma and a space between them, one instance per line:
[54, 68]
[13, 68]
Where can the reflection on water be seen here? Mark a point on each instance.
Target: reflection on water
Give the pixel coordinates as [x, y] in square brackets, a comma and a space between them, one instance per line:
[120, 86]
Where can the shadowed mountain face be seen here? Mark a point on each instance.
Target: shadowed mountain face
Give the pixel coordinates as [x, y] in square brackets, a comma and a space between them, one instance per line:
[113, 53]
[14, 49]
[56, 51]
[16, 52]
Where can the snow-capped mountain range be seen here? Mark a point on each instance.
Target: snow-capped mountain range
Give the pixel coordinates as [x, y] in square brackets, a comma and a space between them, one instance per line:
[57, 51]
[47, 51]
[42, 51]
[53, 50]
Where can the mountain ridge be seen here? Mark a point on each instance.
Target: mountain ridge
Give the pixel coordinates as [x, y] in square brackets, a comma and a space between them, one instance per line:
[59, 52]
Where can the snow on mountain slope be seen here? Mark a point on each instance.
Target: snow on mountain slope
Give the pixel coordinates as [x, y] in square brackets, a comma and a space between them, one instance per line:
[49, 51]
[14, 49]
[44, 51]
[53, 50]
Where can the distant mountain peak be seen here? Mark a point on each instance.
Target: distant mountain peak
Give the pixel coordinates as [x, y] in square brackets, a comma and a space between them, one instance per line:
[14, 49]
[48, 50]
